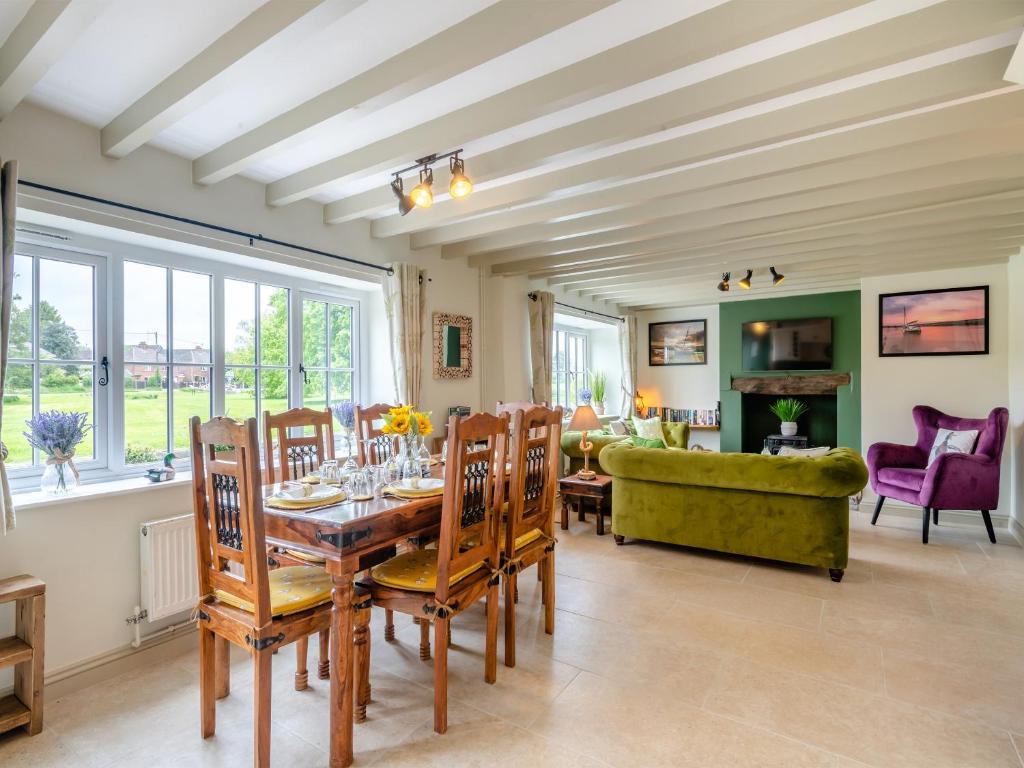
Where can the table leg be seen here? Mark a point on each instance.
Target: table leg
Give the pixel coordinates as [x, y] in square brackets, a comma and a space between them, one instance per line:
[579, 509]
[341, 671]
[565, 512]
[600, 516]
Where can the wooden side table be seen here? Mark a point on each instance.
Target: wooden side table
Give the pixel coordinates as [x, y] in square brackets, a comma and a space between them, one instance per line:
[599, 489]
[24, 651]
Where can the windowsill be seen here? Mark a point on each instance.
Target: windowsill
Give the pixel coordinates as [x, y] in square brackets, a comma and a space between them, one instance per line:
[37, 499]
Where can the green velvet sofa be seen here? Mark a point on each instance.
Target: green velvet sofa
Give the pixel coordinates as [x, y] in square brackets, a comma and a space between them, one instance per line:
[789, 508]
[677, 435]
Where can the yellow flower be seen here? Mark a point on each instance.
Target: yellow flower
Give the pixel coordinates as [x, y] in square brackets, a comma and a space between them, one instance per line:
[402, 409]
[423, 424]
[386, 429]
[400, 424]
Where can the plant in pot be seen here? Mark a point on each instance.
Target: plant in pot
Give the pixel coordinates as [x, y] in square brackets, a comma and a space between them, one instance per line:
[788, 410]
[598, 386]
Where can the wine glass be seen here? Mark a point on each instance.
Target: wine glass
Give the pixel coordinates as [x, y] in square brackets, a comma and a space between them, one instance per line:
[423, 458]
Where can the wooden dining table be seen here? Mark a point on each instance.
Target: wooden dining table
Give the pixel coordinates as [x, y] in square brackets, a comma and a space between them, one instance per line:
[347, 534]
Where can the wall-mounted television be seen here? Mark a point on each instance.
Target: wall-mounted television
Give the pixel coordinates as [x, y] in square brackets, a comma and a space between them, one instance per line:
[788, 345]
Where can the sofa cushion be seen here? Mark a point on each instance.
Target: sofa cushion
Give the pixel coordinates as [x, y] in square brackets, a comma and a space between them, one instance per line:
[649, 429]
[645, 443]
[952, 441]
[902, 477]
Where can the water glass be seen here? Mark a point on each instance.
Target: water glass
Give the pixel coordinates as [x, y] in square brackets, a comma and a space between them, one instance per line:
[330, 473]
[359, 484]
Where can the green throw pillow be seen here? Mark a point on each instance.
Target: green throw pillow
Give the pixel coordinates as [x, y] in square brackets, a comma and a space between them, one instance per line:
[645, 443]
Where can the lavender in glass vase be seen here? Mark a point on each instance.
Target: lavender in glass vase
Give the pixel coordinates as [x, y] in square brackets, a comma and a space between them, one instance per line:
[345, 413]
[585, 395]
[57, 434]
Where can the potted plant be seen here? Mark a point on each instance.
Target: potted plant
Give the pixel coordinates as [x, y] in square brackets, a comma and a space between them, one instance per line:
[788, 410]
[57, 434]
[598, 384]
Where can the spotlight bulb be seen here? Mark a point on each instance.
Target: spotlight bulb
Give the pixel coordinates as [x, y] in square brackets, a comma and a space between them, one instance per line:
[421, 194]
[460, 185]
[724, 285]
[745, 282]
[777, 277]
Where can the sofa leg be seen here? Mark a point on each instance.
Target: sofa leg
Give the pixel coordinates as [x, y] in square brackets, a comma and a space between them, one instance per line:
[988, 525]
[935, 516]
[619, 539]
[878, 508]
[924, 524]
[836, 574]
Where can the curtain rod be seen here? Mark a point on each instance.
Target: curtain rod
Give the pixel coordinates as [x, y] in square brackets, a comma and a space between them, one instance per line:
[616, 318]
[195, 222]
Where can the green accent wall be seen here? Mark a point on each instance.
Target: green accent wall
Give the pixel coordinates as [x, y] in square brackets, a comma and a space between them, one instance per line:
[844, 309]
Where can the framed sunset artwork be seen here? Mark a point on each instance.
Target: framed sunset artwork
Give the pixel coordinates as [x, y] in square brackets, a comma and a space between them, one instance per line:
[948, 321]
[680, 342]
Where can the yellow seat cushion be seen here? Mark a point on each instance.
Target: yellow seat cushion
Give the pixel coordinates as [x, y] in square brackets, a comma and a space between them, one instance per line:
[415, 571]
[309, 557]
[292, 589]
[521, 541]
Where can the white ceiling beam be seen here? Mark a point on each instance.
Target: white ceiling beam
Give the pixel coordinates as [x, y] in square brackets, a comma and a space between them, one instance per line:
[1015, 69]
[766, 174]
[872, 37]
[663, 38]
[43, 35]
[485, 35]
[196, 82]
[888, 212]
[836, 107]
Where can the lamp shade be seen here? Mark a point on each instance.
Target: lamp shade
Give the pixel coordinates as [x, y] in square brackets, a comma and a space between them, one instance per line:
[584, 420]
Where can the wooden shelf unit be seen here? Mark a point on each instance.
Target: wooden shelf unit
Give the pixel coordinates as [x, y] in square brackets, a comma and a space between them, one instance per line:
[24, 651]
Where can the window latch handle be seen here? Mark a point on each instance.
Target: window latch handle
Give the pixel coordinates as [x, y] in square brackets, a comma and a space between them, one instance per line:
[305, 374]
[105, 378]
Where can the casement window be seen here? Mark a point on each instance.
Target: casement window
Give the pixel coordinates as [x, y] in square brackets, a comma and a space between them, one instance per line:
[179, 336]
[570, 365]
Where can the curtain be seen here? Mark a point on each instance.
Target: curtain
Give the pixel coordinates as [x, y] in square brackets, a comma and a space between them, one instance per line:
[627, 355]
[8, 206]
[403, 303]
[542, 336]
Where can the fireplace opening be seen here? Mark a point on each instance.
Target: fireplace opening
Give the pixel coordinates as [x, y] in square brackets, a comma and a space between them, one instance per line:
[819, 424]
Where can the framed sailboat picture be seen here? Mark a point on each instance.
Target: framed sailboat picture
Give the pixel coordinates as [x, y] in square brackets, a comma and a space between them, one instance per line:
[679, 342]
[947, 321]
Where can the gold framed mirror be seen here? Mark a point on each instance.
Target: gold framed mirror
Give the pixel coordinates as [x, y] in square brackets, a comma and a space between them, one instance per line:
[453, 346]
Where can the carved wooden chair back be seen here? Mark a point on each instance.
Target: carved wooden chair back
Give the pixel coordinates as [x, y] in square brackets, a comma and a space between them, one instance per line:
[228, 505]
[474, 491]
[297, 455]
[535, 456]
[381, 447]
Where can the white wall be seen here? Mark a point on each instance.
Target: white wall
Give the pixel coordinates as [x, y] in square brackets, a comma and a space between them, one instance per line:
[1015, 287]
[604, 357]
[681, 386]
[969, 385]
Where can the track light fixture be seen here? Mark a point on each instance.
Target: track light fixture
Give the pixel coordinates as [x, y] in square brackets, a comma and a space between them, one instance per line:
[724, 285]
[422, 195]
[745, 282]
[460, 185]
[777, 277]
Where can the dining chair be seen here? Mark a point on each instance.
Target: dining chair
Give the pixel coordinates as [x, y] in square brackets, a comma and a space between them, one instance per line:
[255, 608]
[527, 534]
[295, 456]
[438, 584]
[373, 446]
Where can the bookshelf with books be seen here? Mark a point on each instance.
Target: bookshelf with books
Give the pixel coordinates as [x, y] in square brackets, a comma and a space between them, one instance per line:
[698, 418]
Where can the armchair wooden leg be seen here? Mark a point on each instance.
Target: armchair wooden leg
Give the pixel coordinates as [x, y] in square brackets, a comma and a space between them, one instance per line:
[878, 508]
[491, 640]
[440, 673]
[223, 672]
[301, 673]
[935, 516]
[324, 668]
[924, 525]
[261, 708]
[988, 525]
[207, 681]
[510, 620]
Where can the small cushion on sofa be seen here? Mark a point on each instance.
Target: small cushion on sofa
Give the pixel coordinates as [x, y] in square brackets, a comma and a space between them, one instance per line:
[788, 450]
[902, 477]
[643, 442]
[951, 441]
[618, 427]
[649, 429]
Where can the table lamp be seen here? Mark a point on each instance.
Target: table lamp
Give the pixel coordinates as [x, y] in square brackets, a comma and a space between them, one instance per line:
[584, 420]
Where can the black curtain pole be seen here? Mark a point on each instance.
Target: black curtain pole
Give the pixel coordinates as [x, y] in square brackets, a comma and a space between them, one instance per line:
[250, 236]
[616, 318]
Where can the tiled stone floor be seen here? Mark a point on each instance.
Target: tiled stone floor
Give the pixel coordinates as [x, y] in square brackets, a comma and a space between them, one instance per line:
[661, 657]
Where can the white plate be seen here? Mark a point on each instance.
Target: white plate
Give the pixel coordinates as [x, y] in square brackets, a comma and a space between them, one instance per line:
[422, 484]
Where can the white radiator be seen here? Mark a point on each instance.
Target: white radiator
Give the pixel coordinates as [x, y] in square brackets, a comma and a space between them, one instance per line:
[167, 551]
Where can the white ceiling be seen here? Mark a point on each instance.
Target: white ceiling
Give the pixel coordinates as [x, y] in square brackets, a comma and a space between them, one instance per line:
[631, 150]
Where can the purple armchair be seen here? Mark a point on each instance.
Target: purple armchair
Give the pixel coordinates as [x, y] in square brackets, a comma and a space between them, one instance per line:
[954, 480]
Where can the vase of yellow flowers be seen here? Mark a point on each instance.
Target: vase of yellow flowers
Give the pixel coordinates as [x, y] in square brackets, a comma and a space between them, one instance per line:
[411, 427]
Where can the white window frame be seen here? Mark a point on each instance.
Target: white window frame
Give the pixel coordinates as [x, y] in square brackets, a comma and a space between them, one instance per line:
[298, 385]
[584, 372]
[108, 257]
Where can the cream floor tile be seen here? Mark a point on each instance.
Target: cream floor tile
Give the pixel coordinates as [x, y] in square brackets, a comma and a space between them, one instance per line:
[873, 729]
[994, 698]
[1018, 742]
[630, 725]
[632, 604]
[686, 559]
[44, 750]
[705, 628]
[754, 602]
